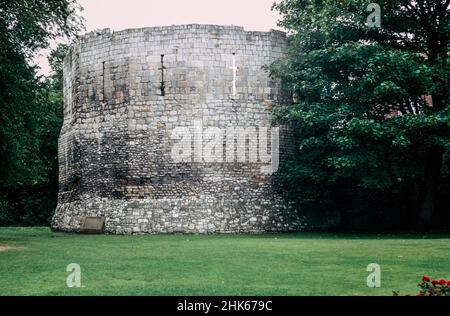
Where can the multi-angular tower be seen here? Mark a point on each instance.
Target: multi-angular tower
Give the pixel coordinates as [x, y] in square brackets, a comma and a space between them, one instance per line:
[168, 130]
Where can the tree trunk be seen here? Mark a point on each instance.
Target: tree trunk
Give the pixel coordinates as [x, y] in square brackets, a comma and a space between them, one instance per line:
[432, 172]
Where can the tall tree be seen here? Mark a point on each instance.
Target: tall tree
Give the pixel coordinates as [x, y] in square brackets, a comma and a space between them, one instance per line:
[25, 27]
[372, 102]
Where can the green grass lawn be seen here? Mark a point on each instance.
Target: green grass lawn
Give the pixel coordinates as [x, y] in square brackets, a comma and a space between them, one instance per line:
[33, 262]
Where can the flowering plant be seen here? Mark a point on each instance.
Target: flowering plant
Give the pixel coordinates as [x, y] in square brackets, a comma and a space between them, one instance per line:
[431, 287]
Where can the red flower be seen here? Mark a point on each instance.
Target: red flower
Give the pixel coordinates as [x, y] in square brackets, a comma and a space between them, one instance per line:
[434, 282]
[442, 282]
[448, 283]
[426, 278]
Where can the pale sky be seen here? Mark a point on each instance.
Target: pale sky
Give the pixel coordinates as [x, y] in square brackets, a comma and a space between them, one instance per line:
[253, 15]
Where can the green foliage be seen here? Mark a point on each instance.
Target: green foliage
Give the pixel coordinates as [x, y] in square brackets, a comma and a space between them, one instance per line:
[55, 60]
[30, 109]
[28, 25]
[364, 129]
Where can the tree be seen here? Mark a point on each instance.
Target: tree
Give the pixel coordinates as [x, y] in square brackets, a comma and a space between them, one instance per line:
[372, 106]
[27, 109]
[55, 60]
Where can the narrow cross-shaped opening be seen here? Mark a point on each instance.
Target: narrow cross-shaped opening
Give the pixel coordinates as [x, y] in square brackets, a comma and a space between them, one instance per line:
[162, 87]
[234, 68]
[103, 80]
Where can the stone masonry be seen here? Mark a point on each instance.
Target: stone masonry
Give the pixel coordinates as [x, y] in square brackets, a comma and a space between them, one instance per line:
[186, 155]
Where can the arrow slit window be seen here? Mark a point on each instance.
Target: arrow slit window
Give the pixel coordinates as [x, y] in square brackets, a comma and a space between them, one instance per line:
[162, 87]
[234, 68]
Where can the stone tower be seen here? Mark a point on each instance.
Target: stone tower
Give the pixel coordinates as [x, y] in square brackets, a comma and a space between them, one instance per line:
[168, 130]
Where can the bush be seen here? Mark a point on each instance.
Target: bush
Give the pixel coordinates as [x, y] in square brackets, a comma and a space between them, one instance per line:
[431, 287]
